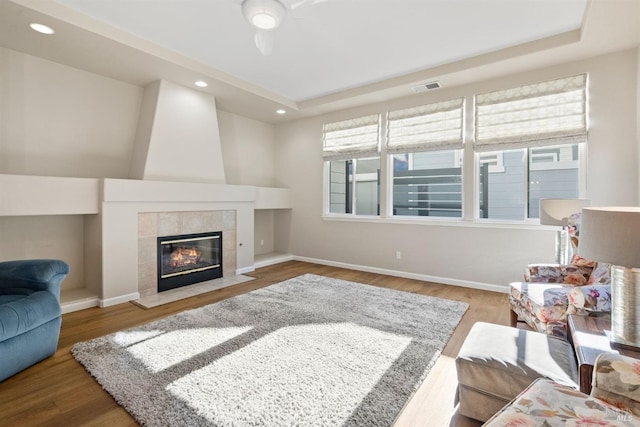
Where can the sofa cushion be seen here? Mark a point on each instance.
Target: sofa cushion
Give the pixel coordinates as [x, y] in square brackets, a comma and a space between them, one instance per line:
[25, 310]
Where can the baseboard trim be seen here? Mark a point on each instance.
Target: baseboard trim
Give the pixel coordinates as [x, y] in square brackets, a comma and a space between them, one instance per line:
[245, 270]
[119, 299]
[273, 261]
[407, 275]
[70, 307]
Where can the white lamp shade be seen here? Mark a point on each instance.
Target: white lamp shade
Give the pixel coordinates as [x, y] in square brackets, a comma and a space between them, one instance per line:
[557, 211]
[612, 235]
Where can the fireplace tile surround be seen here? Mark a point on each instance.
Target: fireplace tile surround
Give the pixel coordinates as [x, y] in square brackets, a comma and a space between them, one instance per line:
[152, 225]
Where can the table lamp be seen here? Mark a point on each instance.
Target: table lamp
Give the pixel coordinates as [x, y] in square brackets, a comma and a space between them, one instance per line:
[557, 212]
[612, 235]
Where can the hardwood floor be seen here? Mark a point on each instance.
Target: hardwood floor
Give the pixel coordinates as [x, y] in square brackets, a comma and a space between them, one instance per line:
[59, 392]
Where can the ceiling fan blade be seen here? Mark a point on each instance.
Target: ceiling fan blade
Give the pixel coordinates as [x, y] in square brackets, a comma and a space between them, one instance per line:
[297, 4]
[264, 42]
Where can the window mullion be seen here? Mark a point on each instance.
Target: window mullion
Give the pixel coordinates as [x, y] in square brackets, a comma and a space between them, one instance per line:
[354, 172]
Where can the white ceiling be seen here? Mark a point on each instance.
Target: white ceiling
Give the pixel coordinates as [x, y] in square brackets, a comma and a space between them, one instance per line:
[327, 56]
[334, 45]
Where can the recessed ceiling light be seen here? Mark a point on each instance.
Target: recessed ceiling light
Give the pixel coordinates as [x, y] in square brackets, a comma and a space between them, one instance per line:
[42, 28]
[200, 83]
[281, 111]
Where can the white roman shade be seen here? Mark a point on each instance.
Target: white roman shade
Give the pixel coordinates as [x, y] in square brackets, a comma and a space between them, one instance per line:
[548, 113]
[350, 139]
[430, 127]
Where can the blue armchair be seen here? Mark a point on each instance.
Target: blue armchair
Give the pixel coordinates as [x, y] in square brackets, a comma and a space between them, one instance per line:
[30, 314]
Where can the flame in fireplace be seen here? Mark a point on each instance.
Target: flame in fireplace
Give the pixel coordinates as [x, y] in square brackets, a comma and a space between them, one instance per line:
[182, 257]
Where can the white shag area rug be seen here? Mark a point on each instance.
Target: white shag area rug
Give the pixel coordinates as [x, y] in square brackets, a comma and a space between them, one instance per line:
[310, 351]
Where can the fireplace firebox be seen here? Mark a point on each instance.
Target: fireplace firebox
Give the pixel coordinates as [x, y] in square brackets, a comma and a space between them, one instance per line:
[189, 258]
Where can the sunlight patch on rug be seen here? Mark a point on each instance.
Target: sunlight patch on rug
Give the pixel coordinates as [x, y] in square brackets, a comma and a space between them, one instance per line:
[159, 352]
[330, 368]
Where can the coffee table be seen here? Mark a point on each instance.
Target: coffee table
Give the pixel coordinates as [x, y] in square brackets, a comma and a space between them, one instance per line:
[588, 334]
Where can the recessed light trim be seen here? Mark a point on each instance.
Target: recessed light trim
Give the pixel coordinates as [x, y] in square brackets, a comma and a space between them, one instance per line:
[281, 111]
[41, 28]
[201, 83]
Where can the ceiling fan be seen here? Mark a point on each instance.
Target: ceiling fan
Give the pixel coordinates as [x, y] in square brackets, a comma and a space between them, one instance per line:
[266, 16]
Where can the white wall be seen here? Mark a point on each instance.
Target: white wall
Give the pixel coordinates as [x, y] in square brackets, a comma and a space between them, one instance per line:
[248, 150]
[56, 120]
[491, 255]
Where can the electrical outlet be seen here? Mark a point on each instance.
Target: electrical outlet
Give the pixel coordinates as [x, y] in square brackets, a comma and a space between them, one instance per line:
[398, 255]
[261, 242]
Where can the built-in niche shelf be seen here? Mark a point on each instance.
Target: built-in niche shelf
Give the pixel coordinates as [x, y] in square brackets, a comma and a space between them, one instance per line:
[61, 208]
[273, 207]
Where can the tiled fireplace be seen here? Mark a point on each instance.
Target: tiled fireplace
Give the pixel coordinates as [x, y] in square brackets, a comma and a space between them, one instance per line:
[187, 259]
[152, 225]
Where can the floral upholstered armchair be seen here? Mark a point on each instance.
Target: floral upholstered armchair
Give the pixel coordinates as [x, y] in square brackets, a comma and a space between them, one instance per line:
[552, 291]
[614, 400]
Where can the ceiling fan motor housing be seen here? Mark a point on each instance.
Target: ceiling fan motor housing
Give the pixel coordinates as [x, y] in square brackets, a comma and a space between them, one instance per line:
[264, 14]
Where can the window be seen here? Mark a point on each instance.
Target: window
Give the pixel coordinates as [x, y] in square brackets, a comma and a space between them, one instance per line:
[351, 151]
[426, 143]
[536, 131]
[354, 186]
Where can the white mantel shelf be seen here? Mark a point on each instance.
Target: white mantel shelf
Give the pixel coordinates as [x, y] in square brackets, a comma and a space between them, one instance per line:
[24, 195]
[131, 190]
[272, 198]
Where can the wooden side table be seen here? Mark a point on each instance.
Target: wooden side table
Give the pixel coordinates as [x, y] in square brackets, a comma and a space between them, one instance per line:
[589, 339]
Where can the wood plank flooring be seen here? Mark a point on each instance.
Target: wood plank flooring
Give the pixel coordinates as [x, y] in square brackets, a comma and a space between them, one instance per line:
[59, 392]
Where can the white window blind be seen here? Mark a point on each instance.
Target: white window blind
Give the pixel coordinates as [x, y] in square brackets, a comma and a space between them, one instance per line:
[351, 139]
[430, 127]
[547, 113]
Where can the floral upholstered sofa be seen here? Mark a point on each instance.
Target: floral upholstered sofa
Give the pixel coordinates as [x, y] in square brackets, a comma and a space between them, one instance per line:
[552, 291]
[614, 399]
